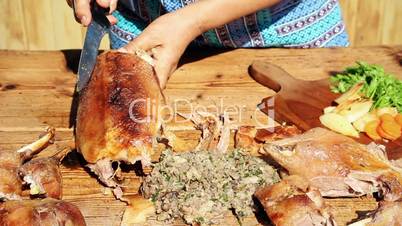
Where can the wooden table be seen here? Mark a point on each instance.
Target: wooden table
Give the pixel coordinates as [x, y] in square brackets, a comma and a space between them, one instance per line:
[37, 89]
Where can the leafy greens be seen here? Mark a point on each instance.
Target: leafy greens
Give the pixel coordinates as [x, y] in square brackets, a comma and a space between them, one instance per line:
[384, 89]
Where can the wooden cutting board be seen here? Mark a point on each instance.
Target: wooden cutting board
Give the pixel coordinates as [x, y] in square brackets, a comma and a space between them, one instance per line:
[37, 89]
[301, 102]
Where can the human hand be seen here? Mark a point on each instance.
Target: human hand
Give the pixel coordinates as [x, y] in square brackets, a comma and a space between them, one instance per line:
[82, 10]
[165, 40]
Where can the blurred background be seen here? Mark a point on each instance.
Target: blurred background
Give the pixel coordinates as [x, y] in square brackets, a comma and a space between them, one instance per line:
[49, 24]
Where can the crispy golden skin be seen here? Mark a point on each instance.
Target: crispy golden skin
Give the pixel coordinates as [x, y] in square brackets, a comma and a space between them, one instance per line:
[292, 202]
[117, 116]
[40, 212]
[338, 166]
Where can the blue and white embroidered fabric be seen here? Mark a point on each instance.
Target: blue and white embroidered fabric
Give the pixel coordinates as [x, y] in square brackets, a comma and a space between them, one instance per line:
[291, 23]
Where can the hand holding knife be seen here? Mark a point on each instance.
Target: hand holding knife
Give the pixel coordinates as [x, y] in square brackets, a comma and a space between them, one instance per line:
[98, 27]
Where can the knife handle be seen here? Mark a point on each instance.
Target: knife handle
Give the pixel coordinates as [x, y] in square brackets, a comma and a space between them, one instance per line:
[99, 13]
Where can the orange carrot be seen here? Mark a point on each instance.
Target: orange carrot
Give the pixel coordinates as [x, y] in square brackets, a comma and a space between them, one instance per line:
[398, 119]
[390, 127]
[387, 117]
[371, 130]
[385, 135]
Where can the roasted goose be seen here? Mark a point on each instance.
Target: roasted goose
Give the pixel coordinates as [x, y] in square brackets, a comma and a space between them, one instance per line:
[292, 202]
[40, 212]
[41, 174]
[118, 114]
[338, 166]
[116, 119]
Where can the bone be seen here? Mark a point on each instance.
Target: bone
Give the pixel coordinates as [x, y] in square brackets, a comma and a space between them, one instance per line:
[29, 150]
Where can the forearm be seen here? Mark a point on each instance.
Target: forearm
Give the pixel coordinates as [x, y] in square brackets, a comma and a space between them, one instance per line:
[168, 36]
[208, 14]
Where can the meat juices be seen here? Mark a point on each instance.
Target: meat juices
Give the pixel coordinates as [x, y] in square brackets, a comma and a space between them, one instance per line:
[40, 212]
[338, 165]
[118, 118]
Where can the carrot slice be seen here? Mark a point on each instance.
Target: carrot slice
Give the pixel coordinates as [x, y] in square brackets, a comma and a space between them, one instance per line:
[391, 129]
[384, 134]
[387, 117]
[398, 119]
[371, 129]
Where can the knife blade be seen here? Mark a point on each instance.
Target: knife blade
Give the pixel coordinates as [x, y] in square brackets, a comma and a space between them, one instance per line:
[98, 27]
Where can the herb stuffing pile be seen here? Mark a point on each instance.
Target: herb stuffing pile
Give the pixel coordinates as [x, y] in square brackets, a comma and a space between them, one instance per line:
[384, 89]
[200, 187]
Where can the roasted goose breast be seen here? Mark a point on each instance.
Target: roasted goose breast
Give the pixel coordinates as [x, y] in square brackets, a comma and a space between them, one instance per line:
[117, 116]
[338, 165]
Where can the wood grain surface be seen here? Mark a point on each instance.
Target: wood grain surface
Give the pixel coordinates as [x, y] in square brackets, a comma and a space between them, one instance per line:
[37, 89]
[301, 103]
[49, 24]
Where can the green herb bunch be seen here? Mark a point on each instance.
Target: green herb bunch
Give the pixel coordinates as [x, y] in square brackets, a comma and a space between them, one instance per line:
[384, 89]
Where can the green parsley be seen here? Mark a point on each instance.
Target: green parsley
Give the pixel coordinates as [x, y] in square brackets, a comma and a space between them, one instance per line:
[384, 89]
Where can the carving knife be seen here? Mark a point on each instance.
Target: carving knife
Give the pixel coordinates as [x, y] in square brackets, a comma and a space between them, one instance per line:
[98, 27]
